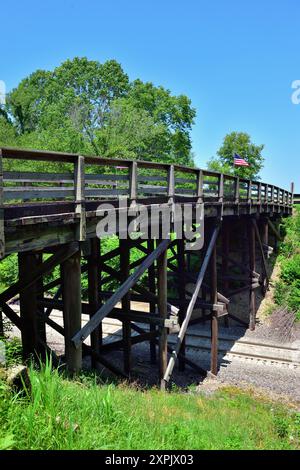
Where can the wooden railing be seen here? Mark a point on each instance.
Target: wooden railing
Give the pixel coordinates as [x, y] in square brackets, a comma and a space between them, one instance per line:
[57, 177]
[296, 198]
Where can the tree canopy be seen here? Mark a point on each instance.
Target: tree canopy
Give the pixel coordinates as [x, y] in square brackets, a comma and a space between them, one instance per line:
[87, 107]
[240, 143]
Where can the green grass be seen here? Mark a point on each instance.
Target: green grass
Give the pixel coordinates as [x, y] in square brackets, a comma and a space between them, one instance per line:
[81, 414]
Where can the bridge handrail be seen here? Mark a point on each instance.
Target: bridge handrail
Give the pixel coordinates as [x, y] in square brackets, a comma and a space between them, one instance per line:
[77, 178]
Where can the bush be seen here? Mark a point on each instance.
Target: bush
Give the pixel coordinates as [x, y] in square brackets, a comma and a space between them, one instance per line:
[287, 289]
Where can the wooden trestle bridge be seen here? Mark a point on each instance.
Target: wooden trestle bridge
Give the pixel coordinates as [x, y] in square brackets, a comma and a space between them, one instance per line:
[48, 216]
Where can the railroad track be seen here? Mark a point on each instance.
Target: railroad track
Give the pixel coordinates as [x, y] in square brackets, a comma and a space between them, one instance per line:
[230, 347]
[247, 349]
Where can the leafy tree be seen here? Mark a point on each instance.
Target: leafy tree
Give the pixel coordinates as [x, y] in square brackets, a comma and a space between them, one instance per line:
[174, 112]
[24, 102]
[132, 133]
[7, 132]
[240, 143]
[92, 108]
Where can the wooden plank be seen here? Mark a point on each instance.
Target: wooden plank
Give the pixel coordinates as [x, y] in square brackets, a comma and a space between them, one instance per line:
[151, 178]
[79, 179]
[225, 255]
[133, 183]
[34, 177]
[152, 304]
[171, 184]
[200, 186]
[182, 295]
[26, 193]
[118, 295]
[252, 266]
[71, 295]
[94, 282]
[214, 317]
[37, 155]
[162, 310]
[126, 328]
[28, 263]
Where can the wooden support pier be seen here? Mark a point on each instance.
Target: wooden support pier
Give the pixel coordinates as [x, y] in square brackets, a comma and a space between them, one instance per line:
[50, 215]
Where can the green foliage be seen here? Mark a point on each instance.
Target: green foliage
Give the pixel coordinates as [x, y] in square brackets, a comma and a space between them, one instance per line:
[86, 107]
[13, 351]
[287, 289]
[61, 414]
[240, 143]
[9, 271]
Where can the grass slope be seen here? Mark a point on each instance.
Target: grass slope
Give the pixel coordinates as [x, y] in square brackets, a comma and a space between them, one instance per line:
[63, 414]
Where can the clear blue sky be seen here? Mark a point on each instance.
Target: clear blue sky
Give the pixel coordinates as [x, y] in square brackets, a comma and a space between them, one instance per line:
[236, 60]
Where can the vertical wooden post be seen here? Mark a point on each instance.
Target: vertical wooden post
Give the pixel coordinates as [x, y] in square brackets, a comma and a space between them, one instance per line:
[221, 187]
[182, 294]
[259, 197]
[200, 186]
[41, 324]
[162, 310]
[28, 305]
[237, 190]
[79, 186]
[152, 288]
[125, 271]
[94, 282]
[252, 266]
[71, 295]
[291, 199]
[225, 254]
[214, 318]
[265, 235]
[133, 183]
[2, 240]
[249, 195]
[171, 189]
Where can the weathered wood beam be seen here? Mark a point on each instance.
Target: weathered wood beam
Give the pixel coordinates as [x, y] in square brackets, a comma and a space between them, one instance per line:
[125, 302]
[94, 282]
[182, 295]
[152, 304]
[162, 294]
[118, 295]
[71, 295]
[47, 266]
[79, 182]
[214, 316]
[28, 263]
[252, 266]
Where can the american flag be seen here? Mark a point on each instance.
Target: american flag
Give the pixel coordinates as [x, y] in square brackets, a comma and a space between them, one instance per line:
[239, 161]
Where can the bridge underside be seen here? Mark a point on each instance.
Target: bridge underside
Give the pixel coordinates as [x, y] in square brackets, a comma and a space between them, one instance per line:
[49, 217]
[174, 281]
